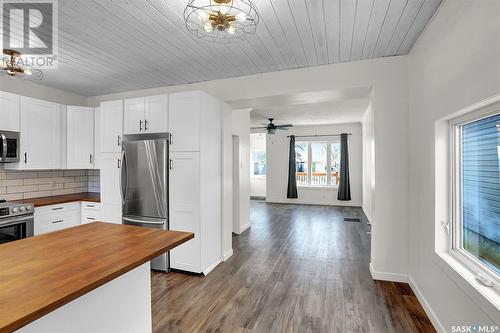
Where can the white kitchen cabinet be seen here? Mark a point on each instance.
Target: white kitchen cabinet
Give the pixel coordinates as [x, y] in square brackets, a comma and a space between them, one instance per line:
[195, 185]
[90, 212]
[110, 178]
[184, 120]
[133, 115]
[184, 209]
[156, 114]
[40, 135]
[56, 217]
[111, 126]
[146, 115]
[9, 111]
[80, 137]
[111, 213]
[97, 138]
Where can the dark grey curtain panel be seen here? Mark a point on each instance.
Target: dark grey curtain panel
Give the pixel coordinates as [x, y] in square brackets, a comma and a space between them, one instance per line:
[344, 191]
[292, 181]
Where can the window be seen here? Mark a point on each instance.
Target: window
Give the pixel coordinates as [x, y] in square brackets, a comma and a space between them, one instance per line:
[317, 163]
[258, 155]
[476, 193]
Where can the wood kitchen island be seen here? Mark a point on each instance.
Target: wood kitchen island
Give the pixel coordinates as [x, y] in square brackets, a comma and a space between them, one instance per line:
[92, 277]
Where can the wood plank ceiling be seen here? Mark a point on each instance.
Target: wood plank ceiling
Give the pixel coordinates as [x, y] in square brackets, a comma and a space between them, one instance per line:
[108, 46]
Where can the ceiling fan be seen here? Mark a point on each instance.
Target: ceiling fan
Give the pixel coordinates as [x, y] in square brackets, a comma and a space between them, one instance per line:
[13, 65]
[271, 127]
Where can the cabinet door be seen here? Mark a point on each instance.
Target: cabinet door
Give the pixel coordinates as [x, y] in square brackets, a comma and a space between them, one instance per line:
[184, 121]
[40, 134]
[185, 209]
[110, 179]
[9, 112]
[156, 115]
[80, 137]
[111, 126]
[133, 116]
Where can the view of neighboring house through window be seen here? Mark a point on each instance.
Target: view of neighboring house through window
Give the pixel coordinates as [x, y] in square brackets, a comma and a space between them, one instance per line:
[476, 227]
[317, 163]
[258, 155]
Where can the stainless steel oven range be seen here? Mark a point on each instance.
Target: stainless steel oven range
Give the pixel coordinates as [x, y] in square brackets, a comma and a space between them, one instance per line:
[16, 221]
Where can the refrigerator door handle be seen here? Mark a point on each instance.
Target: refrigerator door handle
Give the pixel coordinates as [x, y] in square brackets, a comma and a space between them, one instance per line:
[123, 188]
[128, 219]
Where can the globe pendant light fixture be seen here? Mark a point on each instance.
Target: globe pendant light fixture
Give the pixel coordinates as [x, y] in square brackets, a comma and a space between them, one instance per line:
[221, 21]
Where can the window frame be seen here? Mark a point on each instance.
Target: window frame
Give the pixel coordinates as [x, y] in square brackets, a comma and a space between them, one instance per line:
[309, 142]
[252, 175]
[455, 248]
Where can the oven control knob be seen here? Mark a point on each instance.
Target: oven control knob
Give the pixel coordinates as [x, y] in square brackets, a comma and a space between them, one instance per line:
[29, 207]
[22, 209]
[15, 210]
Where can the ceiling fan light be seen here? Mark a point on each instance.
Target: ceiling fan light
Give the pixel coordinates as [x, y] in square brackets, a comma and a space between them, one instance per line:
[203, 15]
[208, 27]
[231, 30]
[10, 71]
[27, 71]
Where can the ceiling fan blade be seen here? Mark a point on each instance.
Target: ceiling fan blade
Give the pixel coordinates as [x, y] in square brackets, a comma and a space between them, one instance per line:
[258, 127]
[285, 125]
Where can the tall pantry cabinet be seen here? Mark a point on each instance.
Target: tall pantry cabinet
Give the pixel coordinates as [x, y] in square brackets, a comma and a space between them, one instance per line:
[195, 123]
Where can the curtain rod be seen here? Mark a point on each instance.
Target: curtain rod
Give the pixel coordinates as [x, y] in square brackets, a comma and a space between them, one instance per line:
[317, 135]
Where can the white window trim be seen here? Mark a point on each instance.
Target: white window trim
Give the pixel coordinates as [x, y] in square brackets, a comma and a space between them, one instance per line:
[329, 185]
[452, 262]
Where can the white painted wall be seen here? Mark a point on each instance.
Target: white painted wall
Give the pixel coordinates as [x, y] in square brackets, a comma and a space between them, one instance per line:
[389, 82]
[368, 163]
[35, 90]
[277, 167]
[241, 128]
[454, 64]
[227, 182]
[257, 183]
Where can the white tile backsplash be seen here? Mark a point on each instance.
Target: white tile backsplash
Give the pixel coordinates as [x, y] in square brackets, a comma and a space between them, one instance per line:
[15, 185]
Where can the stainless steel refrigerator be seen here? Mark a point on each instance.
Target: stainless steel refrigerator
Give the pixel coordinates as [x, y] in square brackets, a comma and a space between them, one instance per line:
[144, 185]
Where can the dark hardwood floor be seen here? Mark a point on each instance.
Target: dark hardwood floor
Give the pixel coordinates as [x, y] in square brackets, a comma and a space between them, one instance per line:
[298, 269]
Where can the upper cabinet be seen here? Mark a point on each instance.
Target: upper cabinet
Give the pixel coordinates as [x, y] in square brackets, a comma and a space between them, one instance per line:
[9, 111]
[80, 137]
[111, 126]
[184, 120]
[40, 135]
[146, 115]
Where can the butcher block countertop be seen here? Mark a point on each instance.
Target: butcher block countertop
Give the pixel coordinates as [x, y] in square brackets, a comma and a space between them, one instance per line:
[60, 199]
[42, 273]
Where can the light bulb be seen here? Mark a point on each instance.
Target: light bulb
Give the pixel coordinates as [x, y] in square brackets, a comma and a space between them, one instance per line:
[203, 15]
[27, 71]
[231, 30]
[224, 9]
[11, 72]
[208, 27]
[241, 17]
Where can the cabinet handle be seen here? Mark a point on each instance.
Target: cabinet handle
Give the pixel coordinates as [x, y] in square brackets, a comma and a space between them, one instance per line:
[58, 208]
[90, 218]
[140, 125]
[171, 138]
[145, 125]
[57, 221]
[119, 140]
[25, 158]
[171, 164]
[119, 163]
[90, 206]
[90, 158]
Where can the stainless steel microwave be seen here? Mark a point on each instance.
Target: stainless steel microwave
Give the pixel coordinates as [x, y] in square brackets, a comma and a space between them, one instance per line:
[9, 146]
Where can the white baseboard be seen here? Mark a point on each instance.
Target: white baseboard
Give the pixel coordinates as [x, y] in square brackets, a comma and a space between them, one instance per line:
[384, 276]
[211, 267]
[368, 217]
[227, 255]
[428, 310]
